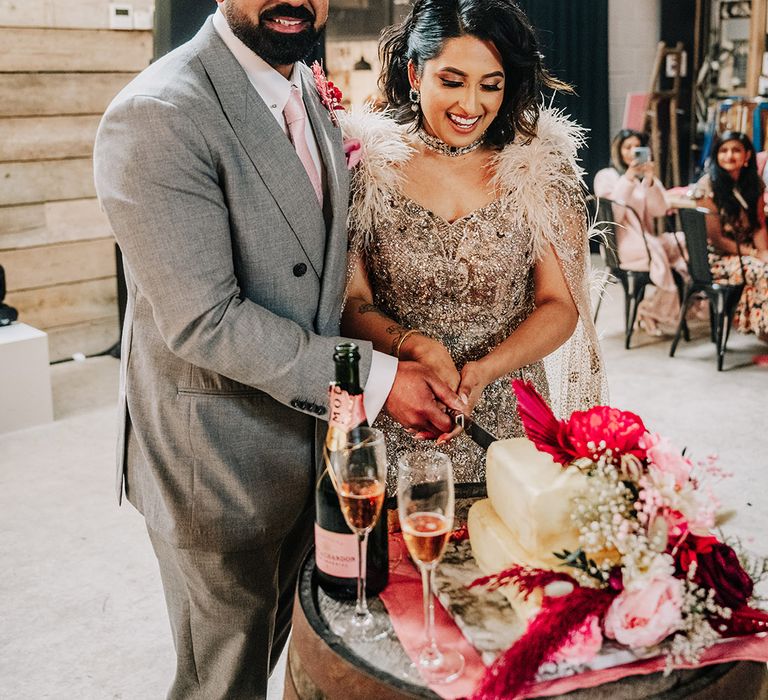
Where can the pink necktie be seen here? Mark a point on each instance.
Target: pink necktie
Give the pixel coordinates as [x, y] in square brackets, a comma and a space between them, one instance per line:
[296, 118]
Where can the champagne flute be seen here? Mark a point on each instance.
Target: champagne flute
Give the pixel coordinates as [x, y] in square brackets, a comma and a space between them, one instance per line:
[425, 502]
[358, 466]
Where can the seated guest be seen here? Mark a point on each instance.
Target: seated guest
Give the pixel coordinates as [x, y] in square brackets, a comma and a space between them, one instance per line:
[631, 182]
[733, 189]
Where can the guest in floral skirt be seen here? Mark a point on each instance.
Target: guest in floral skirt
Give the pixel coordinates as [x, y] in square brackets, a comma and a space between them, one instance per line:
[734, 190]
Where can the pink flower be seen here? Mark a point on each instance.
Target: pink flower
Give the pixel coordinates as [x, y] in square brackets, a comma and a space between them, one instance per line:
[584, 644]
[644, 616]
[677, 524]
[664, 459]
[353, 151]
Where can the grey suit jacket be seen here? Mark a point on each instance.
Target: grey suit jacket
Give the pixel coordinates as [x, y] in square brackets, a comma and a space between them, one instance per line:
[235, 283]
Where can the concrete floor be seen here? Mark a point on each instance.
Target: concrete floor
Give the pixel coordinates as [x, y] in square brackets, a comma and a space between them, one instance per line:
[81, 607]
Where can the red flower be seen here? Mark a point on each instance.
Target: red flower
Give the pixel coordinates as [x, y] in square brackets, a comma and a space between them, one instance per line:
[717, 568]
[541, 426]
[335, 93]
[604, 427]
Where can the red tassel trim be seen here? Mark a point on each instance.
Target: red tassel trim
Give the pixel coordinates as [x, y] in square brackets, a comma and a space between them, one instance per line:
[743, 621]
[547, 633]
[527, 579]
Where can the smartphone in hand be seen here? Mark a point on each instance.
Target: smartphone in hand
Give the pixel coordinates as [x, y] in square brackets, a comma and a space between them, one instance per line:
[641, 154]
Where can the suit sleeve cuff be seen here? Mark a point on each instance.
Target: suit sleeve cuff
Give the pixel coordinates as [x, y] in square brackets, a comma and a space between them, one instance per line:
[379, 384]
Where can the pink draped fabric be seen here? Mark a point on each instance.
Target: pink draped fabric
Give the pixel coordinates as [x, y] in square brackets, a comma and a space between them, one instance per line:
[403, 600]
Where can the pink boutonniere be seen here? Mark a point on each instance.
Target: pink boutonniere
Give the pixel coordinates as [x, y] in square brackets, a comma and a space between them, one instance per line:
[330, 95]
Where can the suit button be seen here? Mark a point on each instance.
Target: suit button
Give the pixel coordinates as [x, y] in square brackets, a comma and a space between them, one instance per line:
[295, 403]
[299, 270]
[303, 405]
[320, 410]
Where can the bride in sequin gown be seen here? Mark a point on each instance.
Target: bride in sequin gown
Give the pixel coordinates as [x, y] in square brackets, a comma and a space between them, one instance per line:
[469, 285]
[468, 232]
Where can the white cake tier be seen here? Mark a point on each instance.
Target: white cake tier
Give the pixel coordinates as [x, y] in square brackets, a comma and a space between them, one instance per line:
[533, 497]
[495, 549]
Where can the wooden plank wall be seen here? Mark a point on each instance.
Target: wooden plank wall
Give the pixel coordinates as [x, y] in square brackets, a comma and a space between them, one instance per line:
[60, 65]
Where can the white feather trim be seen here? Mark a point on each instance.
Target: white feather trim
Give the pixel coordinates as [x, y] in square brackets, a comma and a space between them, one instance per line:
[386, 145]
[533, 177]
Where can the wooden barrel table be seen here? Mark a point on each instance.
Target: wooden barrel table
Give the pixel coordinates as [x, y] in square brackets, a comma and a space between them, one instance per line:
[322, 667]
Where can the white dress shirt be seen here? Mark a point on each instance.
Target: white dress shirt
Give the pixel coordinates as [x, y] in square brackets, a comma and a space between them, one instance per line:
[274, 89]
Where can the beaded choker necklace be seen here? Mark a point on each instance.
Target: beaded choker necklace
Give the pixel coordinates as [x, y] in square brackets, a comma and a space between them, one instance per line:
[435, 144]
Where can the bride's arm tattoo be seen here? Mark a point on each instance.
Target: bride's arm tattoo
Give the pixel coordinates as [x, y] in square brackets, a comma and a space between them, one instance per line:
[395, 330]
[398, 332]
[370, 309]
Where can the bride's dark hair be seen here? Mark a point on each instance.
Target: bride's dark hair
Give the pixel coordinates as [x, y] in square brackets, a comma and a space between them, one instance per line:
[430, 23]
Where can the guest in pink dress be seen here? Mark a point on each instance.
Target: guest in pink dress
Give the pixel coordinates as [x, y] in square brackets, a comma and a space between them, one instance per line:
[630, 182]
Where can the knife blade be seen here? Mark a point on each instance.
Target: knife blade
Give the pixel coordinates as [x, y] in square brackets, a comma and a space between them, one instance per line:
[480, 435]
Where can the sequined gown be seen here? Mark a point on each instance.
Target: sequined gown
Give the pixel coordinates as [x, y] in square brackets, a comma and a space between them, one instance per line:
[468, 284]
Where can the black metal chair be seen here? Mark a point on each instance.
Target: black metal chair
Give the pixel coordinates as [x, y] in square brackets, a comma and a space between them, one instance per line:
[723, 298]
[633, 282]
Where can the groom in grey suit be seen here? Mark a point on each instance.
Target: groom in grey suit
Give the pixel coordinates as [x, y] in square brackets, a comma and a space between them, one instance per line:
[225, 182]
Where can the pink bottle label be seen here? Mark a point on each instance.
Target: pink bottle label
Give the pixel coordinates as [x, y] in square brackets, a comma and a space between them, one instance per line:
[336, 553]
[347, 410]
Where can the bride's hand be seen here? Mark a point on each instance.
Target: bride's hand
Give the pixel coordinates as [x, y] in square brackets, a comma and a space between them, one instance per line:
[433, 354]
[474, 379]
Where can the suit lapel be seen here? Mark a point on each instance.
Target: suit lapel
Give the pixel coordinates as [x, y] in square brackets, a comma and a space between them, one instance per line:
[267, 146]
[329, 141]
[328, 138]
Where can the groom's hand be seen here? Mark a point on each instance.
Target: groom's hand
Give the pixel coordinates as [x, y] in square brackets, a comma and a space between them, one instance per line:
[418, 400]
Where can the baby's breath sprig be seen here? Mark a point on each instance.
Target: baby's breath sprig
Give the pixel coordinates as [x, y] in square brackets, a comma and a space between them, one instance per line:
[697, 633]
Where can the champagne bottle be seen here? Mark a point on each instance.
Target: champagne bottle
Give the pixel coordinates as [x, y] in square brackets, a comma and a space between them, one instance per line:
[335, 543]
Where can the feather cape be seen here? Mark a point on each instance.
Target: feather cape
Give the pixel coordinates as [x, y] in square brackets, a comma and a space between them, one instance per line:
[528, 174]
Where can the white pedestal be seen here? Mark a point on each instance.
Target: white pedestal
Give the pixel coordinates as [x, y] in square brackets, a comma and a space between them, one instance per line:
[25, 378]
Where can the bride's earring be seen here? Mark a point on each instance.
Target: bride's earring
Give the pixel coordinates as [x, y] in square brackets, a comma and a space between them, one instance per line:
[415, 98]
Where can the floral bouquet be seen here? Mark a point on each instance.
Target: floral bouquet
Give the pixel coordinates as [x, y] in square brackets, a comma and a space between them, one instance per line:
[648, 568]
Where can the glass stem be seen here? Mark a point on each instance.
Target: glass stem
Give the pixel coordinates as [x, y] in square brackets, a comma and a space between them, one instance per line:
[361, 608]
[430, 650]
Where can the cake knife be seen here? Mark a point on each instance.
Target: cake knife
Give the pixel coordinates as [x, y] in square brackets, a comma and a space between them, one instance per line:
[479, 434]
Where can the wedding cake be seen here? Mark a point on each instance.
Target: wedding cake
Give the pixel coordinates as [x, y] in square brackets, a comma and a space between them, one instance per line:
[527, 515]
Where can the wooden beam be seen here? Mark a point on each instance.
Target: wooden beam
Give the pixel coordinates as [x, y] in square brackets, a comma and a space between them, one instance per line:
[63, 14]
[78, 302]
[42, 181]
[27, 225]
[72, 50]
[43, 94]
[45, 138]
[757, 30]
[45, 266]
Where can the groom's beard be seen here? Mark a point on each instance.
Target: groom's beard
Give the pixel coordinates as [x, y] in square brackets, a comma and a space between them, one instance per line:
[274, 47]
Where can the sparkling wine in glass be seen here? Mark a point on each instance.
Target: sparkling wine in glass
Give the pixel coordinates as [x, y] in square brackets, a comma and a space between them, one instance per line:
[425, 503]
[358, 466]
